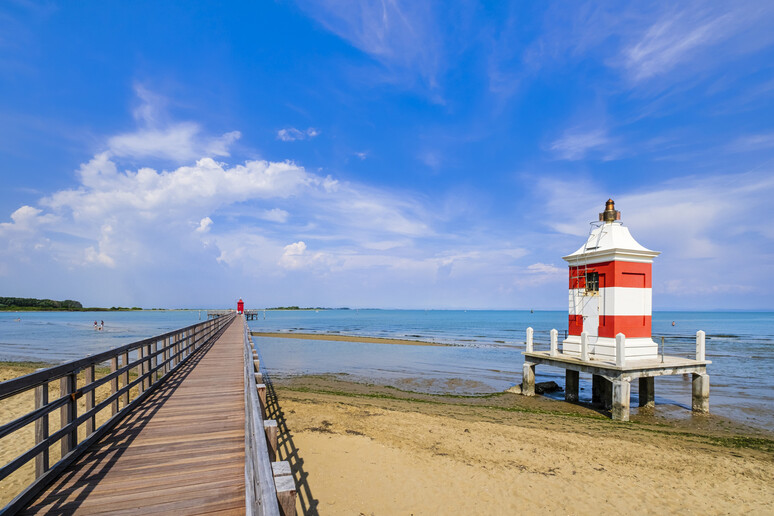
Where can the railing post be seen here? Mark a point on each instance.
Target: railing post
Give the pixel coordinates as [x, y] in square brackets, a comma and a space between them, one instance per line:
[114, 386]
[67, 413]
[124, 363]
[700, 346]
[584, 346]
[89, 378]
[155, 362]
[166, 355]
[41, 429]
[554, 343]
[530, 342]
[141, 369]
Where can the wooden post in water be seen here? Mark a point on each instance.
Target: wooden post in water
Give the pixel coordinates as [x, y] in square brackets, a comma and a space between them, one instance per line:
[89, 376]
[41, 429]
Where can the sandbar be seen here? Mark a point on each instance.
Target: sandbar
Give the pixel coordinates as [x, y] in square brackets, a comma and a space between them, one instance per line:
[346, 338]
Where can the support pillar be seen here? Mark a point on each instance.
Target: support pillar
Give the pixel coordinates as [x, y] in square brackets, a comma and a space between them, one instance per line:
[528, 379]
[596, 389]
[621, 394]
[647, 392]
[571, 385]
[700, 390]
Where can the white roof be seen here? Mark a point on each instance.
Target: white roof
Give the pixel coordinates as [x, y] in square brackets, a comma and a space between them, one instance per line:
[611, 241]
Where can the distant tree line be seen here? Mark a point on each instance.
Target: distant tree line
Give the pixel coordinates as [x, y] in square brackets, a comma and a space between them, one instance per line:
[29, 304]
[21, 303]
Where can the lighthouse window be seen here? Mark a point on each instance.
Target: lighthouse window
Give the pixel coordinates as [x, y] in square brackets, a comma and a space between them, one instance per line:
[592, 282]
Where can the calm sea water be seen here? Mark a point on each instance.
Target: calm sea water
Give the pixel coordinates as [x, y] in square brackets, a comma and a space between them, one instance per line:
[486, 351]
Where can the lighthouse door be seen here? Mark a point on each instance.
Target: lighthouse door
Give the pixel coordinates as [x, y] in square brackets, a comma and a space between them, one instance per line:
[591, 308]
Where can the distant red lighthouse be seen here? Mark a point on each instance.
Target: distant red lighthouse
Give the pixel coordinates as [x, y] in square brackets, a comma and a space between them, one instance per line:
[240, 307]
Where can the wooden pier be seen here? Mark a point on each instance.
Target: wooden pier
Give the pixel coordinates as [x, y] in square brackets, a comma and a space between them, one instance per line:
[250, 315]
[192, 441]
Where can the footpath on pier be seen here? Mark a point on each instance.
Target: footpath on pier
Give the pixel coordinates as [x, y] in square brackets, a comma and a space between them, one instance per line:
[181, 451]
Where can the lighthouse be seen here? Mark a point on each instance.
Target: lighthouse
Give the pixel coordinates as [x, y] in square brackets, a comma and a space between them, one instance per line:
[610, 292]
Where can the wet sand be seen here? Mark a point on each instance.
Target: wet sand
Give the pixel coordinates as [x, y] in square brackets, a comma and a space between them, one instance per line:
[345, 338]
[368, 449]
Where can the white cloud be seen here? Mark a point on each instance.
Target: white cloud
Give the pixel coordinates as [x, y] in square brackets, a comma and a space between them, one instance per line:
[576, 143]
[204, 225]
[157, 137]
[292, 134]
[275, 215]
[401, 35]
[752, 142]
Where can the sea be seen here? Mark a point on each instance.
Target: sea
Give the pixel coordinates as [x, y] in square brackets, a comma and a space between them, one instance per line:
[484, 352]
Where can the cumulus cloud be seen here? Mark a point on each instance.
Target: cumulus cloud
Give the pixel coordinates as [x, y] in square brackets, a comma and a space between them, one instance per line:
[157, 137]
[204, 225]
[292, 134]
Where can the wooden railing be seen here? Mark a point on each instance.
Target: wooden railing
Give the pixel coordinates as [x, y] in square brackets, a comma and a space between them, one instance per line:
[152, 361]
[269, 486]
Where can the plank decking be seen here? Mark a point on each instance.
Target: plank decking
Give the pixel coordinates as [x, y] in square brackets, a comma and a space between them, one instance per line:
[182, 451]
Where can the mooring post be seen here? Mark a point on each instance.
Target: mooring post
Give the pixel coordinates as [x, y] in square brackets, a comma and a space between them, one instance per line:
[554, 343]
[700, 390]
[571, 385]
[584, 346]
[700, 346]
[621, 394]
[620, 350]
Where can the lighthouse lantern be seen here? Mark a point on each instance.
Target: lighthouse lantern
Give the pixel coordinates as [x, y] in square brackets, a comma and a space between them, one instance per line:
[610, 292]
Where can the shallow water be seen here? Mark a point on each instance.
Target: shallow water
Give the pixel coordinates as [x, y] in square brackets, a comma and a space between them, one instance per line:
[485, 352]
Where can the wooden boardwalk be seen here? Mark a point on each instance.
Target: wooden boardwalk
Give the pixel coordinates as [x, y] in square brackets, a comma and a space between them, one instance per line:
[182, 451]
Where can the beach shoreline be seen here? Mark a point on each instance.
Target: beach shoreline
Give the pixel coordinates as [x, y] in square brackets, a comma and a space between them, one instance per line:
[364, 448]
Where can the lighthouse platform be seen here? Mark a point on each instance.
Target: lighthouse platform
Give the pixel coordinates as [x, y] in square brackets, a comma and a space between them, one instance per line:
[611, 379]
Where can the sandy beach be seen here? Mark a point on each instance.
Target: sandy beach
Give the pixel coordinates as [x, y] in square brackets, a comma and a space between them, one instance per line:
[371, 449]
[359, 449]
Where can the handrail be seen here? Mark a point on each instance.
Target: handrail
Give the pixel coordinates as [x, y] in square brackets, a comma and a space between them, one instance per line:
[260, 491]
[154, 364]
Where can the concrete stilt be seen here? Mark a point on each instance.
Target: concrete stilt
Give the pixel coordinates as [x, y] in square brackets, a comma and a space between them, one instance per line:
[528, 379]
[596, 389]
[647, 392]
[700, 390]
[572, 379]
[621, 394]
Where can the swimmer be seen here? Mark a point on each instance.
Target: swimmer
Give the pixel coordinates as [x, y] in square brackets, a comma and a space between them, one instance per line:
[673, 323]
[95, 325]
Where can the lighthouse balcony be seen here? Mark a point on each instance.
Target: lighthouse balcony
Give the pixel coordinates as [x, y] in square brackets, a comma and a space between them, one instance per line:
[604, 348]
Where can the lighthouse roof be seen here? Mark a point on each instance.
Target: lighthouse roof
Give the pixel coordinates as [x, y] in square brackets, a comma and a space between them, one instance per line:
[611, 241]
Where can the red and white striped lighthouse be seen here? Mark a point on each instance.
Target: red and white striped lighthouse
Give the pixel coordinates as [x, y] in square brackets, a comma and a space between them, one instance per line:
[610, 291]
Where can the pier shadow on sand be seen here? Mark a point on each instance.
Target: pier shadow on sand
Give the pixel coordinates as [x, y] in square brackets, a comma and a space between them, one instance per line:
[288, 451]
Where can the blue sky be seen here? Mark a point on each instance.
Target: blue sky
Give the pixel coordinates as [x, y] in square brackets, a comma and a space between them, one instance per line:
[382, 154]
